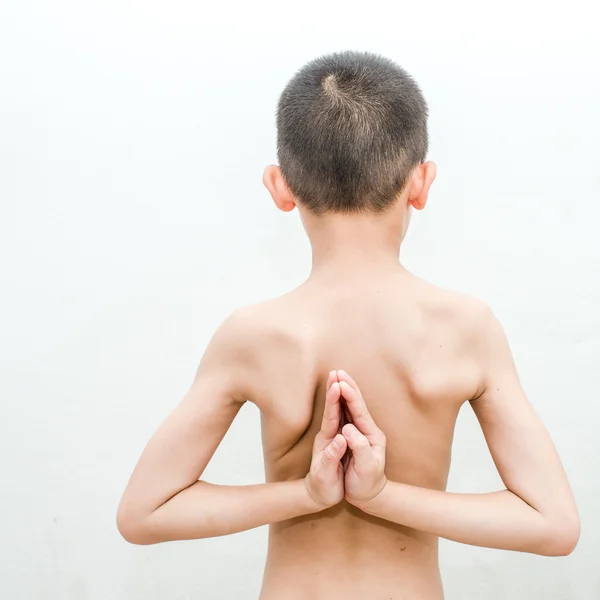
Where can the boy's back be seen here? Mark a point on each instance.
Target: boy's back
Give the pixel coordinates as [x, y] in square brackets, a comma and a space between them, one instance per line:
[407, 345]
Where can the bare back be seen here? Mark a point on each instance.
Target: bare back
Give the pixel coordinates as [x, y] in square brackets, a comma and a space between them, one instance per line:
[404, 342]
[416, 354]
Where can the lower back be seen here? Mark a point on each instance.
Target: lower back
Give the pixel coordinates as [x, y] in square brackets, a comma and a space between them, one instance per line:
[343, 553]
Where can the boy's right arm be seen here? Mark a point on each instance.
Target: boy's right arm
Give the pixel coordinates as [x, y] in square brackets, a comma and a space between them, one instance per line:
[166, 500]
[535, 513]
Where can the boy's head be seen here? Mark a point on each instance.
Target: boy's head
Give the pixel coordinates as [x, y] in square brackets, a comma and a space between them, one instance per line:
[351, 132]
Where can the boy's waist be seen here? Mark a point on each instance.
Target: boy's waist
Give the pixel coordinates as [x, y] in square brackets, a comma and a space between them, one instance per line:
[352, 570]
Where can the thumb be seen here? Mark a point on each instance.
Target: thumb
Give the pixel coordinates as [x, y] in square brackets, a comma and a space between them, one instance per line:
[333, 452]
[357, 442]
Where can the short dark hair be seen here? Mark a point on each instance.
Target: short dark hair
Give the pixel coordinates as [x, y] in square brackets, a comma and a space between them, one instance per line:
[351, 126]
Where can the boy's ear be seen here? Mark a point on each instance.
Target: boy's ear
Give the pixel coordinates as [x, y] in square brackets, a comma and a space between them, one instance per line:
[280, 192]
[422, 178]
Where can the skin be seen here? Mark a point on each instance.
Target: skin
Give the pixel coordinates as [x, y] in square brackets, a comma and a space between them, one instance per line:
[356, 465]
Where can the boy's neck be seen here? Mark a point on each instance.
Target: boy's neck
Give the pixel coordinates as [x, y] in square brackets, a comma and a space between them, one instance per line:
[354, 244]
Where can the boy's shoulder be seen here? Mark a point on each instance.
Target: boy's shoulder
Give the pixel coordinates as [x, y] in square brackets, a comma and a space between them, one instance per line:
[451, 301]
[260, 344]
[266, 323]
[466, 313]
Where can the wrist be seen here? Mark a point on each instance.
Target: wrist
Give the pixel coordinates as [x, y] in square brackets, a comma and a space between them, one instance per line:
[370, 505]
[312, 504]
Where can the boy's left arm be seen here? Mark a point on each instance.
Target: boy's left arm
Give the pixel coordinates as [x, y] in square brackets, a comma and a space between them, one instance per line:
[164, 499]
[535, 513]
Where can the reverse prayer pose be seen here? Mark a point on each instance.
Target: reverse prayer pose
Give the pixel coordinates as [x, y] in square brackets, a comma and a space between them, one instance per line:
[359, 375]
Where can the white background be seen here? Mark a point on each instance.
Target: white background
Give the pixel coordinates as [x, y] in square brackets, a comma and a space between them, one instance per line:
[133, 136]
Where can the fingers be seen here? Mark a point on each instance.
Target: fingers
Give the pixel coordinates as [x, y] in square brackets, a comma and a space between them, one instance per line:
[357, 442]
[331, 412]
[331, 379]
[334, 452]
[345, 412]
[341, 375]
[358, 411]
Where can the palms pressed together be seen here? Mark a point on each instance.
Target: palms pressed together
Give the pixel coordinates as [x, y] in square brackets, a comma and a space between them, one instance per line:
[349, 451]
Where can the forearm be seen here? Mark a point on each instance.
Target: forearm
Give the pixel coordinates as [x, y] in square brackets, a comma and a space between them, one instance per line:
[496, 520]
[205, 510]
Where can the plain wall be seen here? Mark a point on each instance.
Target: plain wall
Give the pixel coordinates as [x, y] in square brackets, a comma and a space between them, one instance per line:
[133, 136]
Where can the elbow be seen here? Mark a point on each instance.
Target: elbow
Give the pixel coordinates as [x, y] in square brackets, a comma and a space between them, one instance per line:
[132, 533]
[133, 528]
[562, 537]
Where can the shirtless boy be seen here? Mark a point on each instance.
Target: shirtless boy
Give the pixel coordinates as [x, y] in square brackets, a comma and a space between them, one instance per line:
[357, 459]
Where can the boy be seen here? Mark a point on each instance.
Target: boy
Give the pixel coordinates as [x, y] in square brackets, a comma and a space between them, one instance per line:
[353, 516]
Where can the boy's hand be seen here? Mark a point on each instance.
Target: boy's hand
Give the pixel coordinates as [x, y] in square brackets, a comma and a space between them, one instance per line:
[365, 473]
[325, 480]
